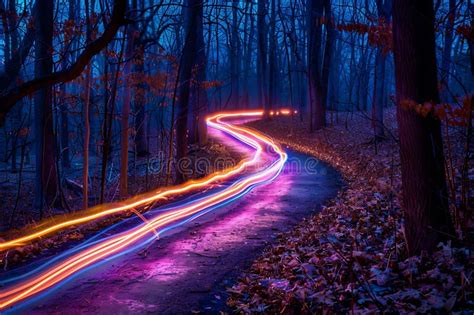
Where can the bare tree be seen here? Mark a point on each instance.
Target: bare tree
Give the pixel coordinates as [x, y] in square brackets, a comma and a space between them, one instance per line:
[199, 102]
[9, 97]
[46, 173]
[262, 54]
[234, 56]
[384, 11]
[193, 18]
[318, 71]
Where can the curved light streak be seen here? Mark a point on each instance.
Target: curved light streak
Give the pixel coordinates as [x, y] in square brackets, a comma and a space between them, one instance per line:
[139, 201]
[135, 237]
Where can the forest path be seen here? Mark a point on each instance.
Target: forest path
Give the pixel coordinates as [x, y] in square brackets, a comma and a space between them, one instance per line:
[190, 268]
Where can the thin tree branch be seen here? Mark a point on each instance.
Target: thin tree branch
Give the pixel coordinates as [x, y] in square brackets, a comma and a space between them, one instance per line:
[12, 96]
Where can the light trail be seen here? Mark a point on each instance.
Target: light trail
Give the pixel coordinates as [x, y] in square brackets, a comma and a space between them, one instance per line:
[115, 245]
[283, 112]
[136, 202]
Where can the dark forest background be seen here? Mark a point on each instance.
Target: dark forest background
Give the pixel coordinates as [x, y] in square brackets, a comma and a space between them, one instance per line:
[94, 92]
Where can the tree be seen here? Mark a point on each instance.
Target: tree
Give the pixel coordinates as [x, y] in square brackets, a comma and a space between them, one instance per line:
[470, 40]
[11, 49]
[447, 48]
[425, 198]
[318, 64]
[328, 53]
[13, 66]
[248, 45]
[64, 130]
[10, 96]
[262, 55]
[272, 67]
[125, 128]
[384, 11]
[234, 56]
[87, 128]
[189, 56]
[140, 121]
[199, 102]
[46, 184]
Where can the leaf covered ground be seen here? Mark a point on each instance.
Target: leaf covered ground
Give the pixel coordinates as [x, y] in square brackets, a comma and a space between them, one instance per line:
[351, 256]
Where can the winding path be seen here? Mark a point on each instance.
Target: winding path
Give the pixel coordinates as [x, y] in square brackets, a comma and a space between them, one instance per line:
[190, 265]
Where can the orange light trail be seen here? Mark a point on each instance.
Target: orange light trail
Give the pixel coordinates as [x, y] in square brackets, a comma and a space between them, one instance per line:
[109, 209]
[114, 245]
[283, 112]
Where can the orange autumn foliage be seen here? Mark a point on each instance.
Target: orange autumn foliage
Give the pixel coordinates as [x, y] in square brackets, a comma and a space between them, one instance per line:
[379, 35]
[466, 31]
[454, 116]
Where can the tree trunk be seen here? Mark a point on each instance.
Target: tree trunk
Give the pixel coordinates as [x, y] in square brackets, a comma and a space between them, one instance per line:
[125, 128]
[378, 97]
[87, 128]
[7, 31]
[105, 129]
[198, 94]
[193, 15]
[140, 121]
[10, 97]
[328, 55]
[15, 62]
[87, 134]
[140, 88]
[471, 42]
[247, 52]
[384, 9]
[272, 72]
[235, 56]
[314, 64]
[364, 80]
[262, 54]
[64, 130]
[446, 57]
[46, 174]
[425, 198]
[13, 34]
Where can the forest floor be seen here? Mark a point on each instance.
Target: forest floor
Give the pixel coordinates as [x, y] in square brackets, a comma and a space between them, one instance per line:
[351, 256]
